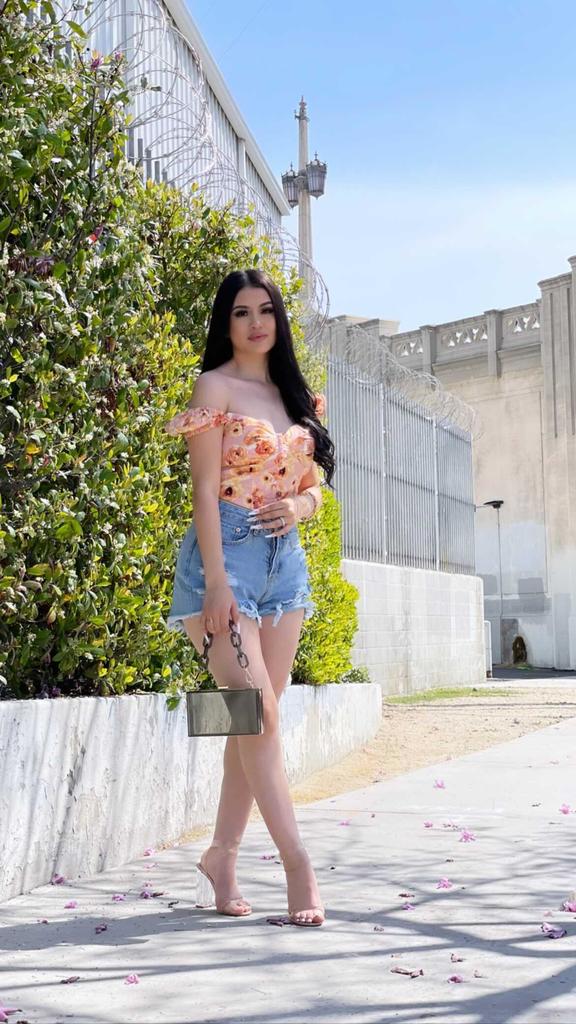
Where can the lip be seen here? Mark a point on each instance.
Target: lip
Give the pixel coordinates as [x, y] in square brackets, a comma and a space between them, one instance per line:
[257, 337]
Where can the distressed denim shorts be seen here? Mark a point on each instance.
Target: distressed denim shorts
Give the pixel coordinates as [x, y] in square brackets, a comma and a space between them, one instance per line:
[267, 575]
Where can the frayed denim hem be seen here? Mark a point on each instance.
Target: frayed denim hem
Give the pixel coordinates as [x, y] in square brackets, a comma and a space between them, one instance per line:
[291, 606]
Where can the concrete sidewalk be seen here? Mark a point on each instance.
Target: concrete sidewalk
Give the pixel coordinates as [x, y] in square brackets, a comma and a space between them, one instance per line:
[373, 855]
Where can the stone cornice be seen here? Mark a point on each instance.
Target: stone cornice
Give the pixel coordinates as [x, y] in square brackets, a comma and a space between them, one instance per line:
[553, 282]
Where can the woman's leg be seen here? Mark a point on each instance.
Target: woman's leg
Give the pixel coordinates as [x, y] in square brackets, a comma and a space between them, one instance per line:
[261, 756]
[278, 644]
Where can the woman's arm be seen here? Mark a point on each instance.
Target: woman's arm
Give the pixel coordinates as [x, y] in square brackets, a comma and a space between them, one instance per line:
[309, 485]
[205, 453]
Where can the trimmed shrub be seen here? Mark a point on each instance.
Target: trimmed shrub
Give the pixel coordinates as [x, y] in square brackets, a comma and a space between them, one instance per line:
[105, 290]
[324, 650]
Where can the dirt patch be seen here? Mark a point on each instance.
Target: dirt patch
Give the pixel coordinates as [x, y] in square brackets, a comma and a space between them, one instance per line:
[414, 735]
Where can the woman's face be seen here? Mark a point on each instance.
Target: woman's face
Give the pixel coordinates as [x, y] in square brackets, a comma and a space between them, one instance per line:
[252, 321]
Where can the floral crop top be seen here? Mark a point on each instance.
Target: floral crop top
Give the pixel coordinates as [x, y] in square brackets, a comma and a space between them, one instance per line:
[258, 465]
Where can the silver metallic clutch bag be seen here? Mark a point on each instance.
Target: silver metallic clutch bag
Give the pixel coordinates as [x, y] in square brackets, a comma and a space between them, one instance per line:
[226, 711]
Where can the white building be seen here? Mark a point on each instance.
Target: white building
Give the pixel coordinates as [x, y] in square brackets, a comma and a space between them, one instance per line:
[517, 368]
[187, 127]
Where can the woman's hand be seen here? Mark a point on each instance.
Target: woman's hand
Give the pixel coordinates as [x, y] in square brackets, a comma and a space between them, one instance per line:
[219, 607]
[276, 518]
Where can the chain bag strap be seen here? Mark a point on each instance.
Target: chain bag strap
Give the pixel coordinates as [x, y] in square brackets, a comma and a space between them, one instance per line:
[226, 711]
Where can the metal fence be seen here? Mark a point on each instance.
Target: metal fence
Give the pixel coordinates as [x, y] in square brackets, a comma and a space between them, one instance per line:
[404, 478]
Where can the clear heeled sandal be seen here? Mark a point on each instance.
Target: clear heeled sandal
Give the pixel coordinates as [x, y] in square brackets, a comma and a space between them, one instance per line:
[314, 916]
[230, 906]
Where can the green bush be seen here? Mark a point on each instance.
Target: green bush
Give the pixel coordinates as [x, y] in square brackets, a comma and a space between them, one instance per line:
[105, 289]
[324, 651]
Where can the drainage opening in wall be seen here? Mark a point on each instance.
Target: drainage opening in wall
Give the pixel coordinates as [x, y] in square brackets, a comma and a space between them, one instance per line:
[519, 652]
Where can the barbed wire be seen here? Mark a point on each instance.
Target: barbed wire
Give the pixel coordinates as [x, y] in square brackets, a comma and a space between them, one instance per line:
[369, 356]
[170, 107]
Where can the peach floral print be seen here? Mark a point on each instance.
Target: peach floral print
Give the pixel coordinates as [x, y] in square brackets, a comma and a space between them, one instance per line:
[258, 464]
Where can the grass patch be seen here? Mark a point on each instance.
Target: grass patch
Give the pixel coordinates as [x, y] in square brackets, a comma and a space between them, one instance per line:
[446, 694]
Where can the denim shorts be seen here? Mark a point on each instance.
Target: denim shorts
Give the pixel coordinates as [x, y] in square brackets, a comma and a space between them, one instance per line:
[267, 575]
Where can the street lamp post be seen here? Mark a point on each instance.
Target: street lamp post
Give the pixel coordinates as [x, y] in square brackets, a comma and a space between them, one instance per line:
[298, 187]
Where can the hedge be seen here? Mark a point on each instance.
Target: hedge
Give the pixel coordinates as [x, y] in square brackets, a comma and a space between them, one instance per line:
[106, 286]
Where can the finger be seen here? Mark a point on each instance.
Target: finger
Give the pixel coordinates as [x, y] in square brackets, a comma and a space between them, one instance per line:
[234, 613]
[267, 511]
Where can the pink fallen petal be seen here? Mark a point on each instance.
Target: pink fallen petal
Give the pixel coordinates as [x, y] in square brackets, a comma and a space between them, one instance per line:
[456, 959]
[444, 883]
[267, 856]
[149, 851]
[407, 906]
[71, 980]
[131, 979]
[569, 906]
[346, 821]
[428, 824]
[101, 928]
[466, 836]
[118, 897]
[564, 809]
[57, 880]
[456, 979]
[551, 932]
[5, 1010]
[145, 895]
[478, 975]
[71, 905]
[42, 920]
[439, 784]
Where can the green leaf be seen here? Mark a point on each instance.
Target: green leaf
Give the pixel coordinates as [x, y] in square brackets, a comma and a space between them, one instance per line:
[77, 29]
[59, 269]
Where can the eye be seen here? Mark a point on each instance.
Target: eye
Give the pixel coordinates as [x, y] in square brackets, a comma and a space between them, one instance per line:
[239, 312]
[269, 309]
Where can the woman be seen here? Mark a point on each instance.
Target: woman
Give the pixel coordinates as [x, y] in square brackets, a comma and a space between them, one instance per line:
[255, 444]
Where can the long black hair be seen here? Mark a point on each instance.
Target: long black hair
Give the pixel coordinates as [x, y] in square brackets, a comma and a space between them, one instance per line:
[283, 366]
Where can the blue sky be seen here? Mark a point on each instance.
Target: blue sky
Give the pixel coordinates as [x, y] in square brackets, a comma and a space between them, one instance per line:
[449, 130]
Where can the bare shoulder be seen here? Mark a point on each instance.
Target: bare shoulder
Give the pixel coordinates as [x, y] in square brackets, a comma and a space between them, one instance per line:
[212, 389]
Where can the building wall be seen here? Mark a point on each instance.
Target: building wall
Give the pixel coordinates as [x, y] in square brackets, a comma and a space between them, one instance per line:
[508, 465]
[417, 628]
[517, 368]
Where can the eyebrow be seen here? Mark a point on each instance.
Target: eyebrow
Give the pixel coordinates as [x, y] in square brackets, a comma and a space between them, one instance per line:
[240, 306]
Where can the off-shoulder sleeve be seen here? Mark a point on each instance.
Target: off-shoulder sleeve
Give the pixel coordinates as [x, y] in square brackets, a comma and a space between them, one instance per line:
[195, 421]
[320, 404]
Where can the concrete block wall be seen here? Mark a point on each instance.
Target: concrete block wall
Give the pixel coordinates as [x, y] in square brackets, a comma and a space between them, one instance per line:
[417, 628]
[89, 782]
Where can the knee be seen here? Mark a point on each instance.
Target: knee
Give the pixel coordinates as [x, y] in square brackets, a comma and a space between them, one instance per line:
[271, 715]
[279, 685]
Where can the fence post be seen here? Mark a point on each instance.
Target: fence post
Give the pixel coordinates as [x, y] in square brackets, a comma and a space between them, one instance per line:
[436, 494]
[383, 466]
